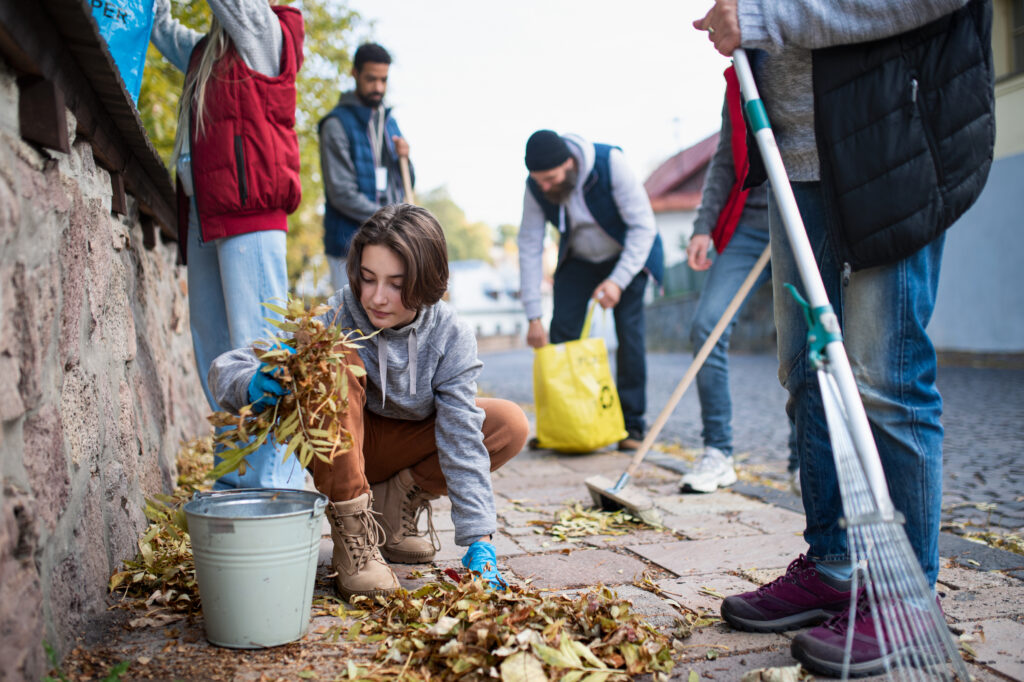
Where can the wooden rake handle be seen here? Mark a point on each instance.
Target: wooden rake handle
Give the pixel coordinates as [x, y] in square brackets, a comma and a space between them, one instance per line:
[403, 165]
[698, 361]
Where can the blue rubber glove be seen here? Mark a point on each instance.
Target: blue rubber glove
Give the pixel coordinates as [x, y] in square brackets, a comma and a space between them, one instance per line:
[481, 557]
[264, 389]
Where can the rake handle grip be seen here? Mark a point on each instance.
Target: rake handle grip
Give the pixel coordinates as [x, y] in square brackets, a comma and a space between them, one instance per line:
[698, 360]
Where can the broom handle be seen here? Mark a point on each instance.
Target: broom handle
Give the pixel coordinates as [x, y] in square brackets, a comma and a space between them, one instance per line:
[403, 165]
[814, 288]
[698, 360]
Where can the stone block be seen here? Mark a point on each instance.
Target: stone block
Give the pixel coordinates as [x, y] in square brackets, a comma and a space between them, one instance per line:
[773, 520]
[712, 503]
[21, 619]
[46, 464]
[584, 568]
[730, 664]
[701, 593]
[997, 645]
[717, 556]
[707, 526]
[80, 411]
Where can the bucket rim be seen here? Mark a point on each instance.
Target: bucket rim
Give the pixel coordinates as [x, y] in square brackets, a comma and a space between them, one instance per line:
[318, 502]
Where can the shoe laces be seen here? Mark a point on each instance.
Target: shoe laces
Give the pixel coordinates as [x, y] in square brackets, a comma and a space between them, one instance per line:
[710, 461]
[797, 569]
[363, 543]
[415, 504]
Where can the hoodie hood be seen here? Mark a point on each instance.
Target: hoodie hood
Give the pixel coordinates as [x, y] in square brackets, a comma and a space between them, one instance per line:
[583, 152]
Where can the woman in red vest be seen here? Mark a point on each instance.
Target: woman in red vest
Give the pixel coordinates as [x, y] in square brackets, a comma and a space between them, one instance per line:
[237, 162]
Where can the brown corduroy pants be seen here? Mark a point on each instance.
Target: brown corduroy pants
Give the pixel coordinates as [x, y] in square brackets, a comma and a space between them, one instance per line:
[381, 446]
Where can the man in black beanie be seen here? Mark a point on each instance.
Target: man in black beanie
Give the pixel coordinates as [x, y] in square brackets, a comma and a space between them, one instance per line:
[608, 248]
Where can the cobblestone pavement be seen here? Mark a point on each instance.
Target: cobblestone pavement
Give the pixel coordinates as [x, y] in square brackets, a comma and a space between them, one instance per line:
[983, 417]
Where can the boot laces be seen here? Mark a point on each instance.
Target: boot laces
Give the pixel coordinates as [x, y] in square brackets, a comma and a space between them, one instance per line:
[793, 573]
[363, 544]
[412, 509]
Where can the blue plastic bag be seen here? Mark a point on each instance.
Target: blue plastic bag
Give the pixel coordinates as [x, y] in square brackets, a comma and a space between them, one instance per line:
[126, 25]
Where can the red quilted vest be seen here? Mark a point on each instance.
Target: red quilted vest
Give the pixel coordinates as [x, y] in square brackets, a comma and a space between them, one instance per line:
[729, 217]
[245, 166]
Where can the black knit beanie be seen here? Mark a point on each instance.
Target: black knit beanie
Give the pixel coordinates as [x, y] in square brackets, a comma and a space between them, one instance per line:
[544, 150]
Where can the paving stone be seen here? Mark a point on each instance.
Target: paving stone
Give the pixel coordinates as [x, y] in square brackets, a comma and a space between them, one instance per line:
[637, 537]
[706, 526]
[712, 503]
[773, 520]
[532, 471]
[732, 663]
[997, 645]
[695, 592]
[718, 556]
[542, 543]
[544, 494]
[762, 576]
[656, 610]
[583, 568]
[984, 602]
[598, 463]
[975, 555]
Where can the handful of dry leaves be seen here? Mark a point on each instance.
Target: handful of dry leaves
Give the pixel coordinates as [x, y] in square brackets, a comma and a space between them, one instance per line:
[462, 630]
[314, 364]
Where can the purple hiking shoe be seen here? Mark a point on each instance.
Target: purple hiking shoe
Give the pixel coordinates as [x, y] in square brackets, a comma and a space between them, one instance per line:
[821, 649]
[798, 598]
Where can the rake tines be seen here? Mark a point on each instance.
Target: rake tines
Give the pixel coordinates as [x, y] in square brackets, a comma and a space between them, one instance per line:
[888, 580]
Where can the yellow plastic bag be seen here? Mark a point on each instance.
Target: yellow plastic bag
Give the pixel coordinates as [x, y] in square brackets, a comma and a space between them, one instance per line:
[577, 404]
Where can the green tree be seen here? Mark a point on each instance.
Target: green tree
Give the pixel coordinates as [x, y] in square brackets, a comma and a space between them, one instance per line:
[329, 35]
[466, 240]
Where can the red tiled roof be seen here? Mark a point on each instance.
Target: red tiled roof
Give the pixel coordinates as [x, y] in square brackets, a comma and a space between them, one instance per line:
[676, 184]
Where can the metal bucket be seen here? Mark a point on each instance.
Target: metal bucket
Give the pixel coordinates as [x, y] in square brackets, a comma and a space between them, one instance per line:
[256, 554]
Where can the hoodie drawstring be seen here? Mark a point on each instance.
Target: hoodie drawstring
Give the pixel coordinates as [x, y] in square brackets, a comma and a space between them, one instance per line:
[382, 361]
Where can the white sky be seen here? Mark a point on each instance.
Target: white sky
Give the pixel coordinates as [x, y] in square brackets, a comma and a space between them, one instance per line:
[472, 79]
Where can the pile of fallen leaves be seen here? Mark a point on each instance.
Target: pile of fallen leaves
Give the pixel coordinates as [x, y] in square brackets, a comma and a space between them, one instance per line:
[573, 523]
[312, 362]
[162, 576]
[448, 630]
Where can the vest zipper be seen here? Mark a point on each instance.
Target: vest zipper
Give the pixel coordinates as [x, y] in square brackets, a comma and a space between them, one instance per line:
[929, 135]
[243, 188]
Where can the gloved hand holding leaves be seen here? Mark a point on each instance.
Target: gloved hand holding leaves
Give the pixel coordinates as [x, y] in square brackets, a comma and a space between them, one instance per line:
[482, 558]
[264, 388]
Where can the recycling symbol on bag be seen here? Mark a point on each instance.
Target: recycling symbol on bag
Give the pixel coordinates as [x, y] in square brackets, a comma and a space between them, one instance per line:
[607, 399]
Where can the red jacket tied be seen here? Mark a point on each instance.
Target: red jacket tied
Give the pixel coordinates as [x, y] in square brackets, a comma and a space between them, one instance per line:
[245, 167]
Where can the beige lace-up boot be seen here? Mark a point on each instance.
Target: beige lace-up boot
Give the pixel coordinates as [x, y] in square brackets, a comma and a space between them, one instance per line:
[399, 501]
[357, 538]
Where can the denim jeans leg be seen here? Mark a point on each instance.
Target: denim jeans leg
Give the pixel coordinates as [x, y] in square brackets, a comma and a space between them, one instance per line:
[819, 485]
[884, 312]
[724, 279]
[206, 308]
[575, 281]
[631, 355]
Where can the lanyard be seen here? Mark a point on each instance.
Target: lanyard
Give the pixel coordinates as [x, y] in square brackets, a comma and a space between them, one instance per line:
[377, 137]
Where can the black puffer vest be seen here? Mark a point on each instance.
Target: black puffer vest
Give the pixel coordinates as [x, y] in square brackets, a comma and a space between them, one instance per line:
[905, 128]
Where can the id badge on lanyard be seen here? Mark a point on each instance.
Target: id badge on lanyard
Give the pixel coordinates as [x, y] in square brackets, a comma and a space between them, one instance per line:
[382, 179]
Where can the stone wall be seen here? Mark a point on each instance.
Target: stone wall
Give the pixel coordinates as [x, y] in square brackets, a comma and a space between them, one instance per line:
[97, 388]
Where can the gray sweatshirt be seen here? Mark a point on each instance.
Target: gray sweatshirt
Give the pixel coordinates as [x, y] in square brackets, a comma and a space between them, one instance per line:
[718, 183]
[428, 368]
[789, 30]
[254, 29]
[587, 240]
[339, 170]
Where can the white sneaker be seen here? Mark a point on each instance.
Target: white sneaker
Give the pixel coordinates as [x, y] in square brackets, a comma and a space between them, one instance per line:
[713, 471]
[794, 482]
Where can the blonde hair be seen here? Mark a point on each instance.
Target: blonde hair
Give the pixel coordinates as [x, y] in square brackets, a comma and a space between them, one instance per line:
[217, 44]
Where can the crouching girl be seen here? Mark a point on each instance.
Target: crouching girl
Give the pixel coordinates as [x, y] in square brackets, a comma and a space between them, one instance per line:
[418, 429]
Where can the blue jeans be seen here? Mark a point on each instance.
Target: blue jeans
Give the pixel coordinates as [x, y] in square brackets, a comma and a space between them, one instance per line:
[575, 281]
[228, 280]
[883, 312]
[724, 279]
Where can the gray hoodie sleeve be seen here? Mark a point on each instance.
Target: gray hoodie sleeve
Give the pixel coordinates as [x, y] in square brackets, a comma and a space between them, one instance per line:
[810, 24]
[255, 30]
[460, 446]
[531, 255]
[229, 378]
[719, 180]
[174, 40]
[339, 173]
[635, 208]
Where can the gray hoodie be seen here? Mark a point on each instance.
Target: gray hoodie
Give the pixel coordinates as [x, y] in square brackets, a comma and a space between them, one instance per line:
[427, 368]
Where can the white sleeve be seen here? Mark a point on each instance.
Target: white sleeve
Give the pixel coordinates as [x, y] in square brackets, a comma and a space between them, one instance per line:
[531, 252]
[635, 208]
